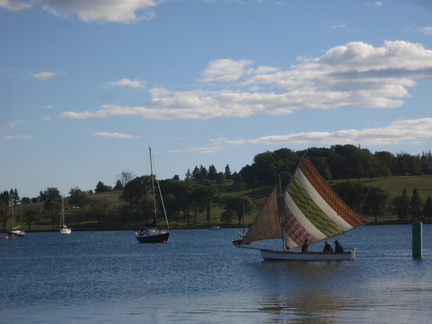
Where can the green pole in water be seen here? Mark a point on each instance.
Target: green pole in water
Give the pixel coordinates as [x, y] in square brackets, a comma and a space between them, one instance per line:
[417, 240]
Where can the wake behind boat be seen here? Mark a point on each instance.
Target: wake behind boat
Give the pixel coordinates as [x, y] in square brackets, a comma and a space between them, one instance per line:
[307, 210]
[153, 234]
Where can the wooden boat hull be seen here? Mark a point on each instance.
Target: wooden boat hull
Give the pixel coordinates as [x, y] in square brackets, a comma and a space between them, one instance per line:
[313, 256]
[152, 237]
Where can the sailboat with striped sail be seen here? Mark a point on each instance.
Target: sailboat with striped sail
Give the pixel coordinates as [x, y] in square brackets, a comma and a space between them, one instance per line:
[309, 210]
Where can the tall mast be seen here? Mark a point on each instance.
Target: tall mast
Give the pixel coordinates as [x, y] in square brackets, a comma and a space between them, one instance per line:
[153, 187]
[280, 209]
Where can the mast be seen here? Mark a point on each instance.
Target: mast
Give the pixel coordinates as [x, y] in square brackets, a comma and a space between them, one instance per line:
[280, 207]
[153, 187]
[62, 214]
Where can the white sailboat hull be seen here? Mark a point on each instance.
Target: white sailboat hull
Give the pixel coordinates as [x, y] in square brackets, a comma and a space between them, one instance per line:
[16, 232]
[65, 230]
[312, 256]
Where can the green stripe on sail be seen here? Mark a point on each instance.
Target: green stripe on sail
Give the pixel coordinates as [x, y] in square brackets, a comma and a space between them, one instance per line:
[312, 211]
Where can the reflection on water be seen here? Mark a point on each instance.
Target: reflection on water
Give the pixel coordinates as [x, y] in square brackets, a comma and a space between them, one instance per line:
[339, 292]
[199, 277]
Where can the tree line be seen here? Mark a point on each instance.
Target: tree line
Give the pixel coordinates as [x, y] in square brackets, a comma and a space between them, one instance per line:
[202, 189]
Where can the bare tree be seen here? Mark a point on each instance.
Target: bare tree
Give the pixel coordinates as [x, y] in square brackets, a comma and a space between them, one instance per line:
[125, 177]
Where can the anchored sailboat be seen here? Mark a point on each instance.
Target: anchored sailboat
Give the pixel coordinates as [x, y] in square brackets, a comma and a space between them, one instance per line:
[15, 231]
[154, 234]
[307, 210]
[63, 228]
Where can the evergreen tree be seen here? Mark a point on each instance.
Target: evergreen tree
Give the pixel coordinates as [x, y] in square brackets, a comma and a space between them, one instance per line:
[196, 173]
[400, 206]
[16, 197]
[227, 173]
[100, 187]
[212, 173]
[203, 173]
[188, 175]
[427, 208]
[119, 186]
[415, 206]
[5, 197]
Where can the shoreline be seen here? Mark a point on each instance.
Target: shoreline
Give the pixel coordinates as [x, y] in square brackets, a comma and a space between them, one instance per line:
[96, 229]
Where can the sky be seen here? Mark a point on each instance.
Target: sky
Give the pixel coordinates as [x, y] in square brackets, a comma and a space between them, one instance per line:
[86, 87]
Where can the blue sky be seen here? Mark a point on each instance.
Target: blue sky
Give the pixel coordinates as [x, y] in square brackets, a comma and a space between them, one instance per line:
[87, 86]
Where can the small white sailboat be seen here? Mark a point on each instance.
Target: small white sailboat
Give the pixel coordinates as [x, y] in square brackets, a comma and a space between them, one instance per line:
[216, 227]
[15, 231]
[154, 234]
[63, 228]
[307, 210]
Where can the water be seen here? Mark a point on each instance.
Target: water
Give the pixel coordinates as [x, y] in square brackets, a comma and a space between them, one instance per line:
[200, 277]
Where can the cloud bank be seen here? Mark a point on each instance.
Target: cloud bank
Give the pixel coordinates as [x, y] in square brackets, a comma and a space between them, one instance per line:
[124, 11]
[397, 132]
[126, 83]
[114, 135]
[356, 74]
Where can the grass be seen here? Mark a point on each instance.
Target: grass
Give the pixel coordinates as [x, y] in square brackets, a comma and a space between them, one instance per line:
[394, 185]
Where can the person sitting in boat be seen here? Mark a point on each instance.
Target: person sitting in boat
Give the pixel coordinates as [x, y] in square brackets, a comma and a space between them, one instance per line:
[338, 247]
[305, 247]
[327, 247]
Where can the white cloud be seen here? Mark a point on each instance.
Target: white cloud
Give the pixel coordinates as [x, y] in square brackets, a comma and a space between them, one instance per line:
[225, 70]
[339, 27]
[16, 137]
[46, 118]
[124, 11]
[223, 140]
[16, 123]
[43, 75]
[114, 135]
[427, 30]
[397, 132]
[355, 74]
[14, 5]
[206, 149]
[126, 83]
[106, 111]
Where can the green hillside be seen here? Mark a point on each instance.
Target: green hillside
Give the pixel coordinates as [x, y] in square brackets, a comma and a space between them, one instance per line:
[394, 185]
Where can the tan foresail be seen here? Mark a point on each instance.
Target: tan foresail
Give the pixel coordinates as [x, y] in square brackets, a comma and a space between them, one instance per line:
[312, 210]
[267, 225]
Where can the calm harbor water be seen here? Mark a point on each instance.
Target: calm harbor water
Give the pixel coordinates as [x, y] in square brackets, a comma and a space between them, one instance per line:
[200, 277]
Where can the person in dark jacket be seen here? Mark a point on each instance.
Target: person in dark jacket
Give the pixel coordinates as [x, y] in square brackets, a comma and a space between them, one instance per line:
[305, 247]
[327, 247]
[338, 247]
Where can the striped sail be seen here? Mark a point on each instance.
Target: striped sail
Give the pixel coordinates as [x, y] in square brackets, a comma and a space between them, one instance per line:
[310, 209]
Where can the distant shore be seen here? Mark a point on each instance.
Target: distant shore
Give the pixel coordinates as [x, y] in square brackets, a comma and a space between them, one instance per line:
[78, 229]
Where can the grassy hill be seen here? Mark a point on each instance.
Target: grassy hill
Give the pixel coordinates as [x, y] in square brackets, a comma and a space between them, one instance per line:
[394, 185]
